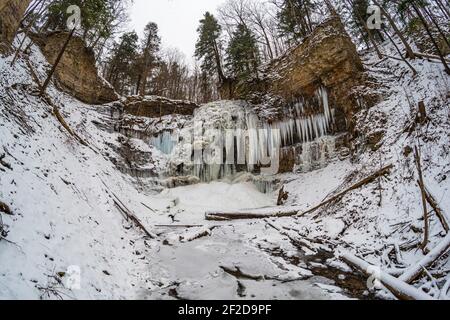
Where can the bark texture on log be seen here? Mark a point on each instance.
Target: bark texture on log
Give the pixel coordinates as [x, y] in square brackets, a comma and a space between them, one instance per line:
[416, 270]
[399, 288]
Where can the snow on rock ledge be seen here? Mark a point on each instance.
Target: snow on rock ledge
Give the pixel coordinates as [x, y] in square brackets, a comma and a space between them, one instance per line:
[157, 107]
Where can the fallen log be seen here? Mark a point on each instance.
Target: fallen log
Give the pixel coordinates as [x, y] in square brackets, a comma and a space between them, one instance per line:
[416, 270]
[428, 56]
[260, 214]
[246, 215]
[397, 287]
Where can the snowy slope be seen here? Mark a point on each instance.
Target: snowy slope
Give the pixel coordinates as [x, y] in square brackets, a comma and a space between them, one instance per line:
[62, 194]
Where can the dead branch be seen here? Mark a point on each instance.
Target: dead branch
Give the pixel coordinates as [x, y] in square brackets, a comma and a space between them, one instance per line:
[187, 226]
[428, 56]
[424, 201]
[148, 207]
[296, 242]
[242, 215]
[129, 216]
[416, 270]
[382, 172]
[399, 288]
[206, 232]
[238, 274]
[440, 214]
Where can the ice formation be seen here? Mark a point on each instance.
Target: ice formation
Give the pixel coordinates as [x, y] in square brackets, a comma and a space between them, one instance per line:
[226, 137]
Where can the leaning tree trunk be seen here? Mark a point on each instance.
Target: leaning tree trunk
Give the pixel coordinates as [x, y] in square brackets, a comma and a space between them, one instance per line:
[409, 51]
[425, 24]
[58, 59]
[441, 32]
[398, 50]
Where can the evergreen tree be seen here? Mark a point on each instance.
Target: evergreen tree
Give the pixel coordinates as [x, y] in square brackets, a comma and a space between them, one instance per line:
[242, 53]
[122, 69]
[100, 19]
[150, 47]
[207, 48]
[294, 19]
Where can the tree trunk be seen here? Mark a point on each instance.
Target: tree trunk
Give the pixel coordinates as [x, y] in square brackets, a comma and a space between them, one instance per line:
[441, 32]
[415, 271]
[424, 200]
[400, 53]
[425, 24]
[409, 52]
[58, 59]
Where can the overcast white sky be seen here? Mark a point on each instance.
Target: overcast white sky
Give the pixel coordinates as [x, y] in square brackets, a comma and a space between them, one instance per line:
[177, 20]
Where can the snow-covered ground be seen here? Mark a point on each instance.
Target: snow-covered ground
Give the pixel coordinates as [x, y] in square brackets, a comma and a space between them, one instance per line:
[64, 198]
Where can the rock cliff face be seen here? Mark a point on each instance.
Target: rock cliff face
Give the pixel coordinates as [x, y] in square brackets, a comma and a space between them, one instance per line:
[326, 59]
[77, 72]
[157, 107]
[11, 12]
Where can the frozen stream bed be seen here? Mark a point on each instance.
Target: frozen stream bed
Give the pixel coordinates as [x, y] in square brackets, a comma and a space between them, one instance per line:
[199, 259]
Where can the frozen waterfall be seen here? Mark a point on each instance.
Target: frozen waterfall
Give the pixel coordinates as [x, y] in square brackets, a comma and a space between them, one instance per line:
[227, 137]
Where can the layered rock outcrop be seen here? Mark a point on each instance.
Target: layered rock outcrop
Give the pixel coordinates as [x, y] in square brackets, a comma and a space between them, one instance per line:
[157, 107]
[11, 13]
[326, 59]
[76, 73]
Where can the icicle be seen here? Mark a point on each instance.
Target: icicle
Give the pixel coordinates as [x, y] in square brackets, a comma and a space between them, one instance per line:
[165, 142]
